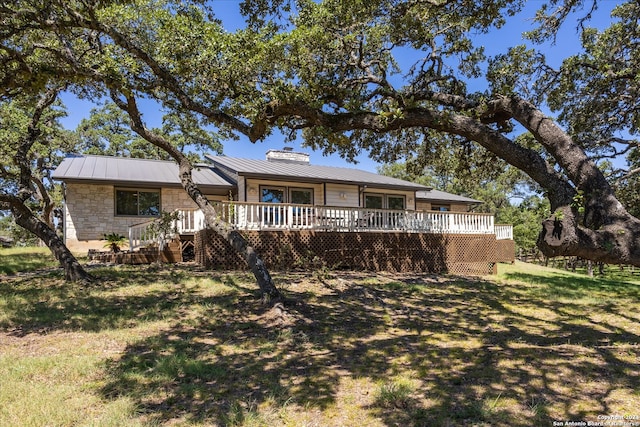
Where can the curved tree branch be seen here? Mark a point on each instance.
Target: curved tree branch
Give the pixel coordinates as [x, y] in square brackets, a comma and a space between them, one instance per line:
[269, 291]
[604, 232]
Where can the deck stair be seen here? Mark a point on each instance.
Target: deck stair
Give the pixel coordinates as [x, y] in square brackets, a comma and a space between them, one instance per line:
[171, 253]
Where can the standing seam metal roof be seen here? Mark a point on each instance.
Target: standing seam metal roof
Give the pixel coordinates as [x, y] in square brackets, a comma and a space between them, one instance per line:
[157, 172]
[436, 195]
[309, 172]
[129, 170]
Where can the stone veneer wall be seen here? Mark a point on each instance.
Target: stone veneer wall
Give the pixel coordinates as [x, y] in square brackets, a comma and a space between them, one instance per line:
[90, 213]
[382, 251]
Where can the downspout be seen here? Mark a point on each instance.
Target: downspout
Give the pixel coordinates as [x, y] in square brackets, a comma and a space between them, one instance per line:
[361, 190]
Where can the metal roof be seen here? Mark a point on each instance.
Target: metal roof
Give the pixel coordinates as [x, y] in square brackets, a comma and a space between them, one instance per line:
[124, 170]
[443, 196]
[310, 173]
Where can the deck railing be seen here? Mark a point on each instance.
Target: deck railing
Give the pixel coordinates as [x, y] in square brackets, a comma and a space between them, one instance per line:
[189, 221]
[504, 232]
[284, 216]
[260, 216]
[143, 234]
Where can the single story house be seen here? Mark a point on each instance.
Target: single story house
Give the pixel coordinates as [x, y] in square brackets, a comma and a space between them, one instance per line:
[283, 192]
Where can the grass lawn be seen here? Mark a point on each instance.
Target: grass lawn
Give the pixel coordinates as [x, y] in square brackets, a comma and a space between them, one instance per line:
[14, 260]
[174, 345]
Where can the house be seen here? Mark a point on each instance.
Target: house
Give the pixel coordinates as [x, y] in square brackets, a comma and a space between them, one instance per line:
[284, 192]
[105, 194]
[435, 200]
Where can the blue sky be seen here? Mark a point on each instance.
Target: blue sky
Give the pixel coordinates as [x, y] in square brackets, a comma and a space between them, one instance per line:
[495, 42]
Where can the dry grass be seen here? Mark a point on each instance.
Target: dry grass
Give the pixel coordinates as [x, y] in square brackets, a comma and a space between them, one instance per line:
[175, 346]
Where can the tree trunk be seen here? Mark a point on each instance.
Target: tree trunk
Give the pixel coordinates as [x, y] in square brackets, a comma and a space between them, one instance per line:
[270, 293]
[23, 216]
[27, 220]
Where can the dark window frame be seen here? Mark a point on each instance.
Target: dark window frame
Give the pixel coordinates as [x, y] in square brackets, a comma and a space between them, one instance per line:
[440, 207]
[385, 199]
[306, 189]
[286, 192]
[373, 195]
[271, 188]
[137, 197]
[397, 196]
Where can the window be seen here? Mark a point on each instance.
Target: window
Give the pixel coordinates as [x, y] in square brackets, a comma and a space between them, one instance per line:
[379, 201]
[301, 196]
[138, 202]
[441, 208]
[373, 201]
[395, 202]
[272, 195]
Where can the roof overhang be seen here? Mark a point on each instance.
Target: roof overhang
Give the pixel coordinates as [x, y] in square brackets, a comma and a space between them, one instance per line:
[309, 180]
[129, 172]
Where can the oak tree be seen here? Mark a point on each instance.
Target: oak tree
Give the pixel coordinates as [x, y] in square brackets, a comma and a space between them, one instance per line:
[347, 83]
[387, 76]
[31, 138]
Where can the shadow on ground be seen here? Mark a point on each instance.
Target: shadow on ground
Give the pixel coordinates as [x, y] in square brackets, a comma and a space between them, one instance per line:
[477, 353]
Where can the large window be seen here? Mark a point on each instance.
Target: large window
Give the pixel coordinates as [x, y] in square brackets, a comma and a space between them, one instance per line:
[138, 202]
[395, 202]
[373, 201]
[300, 196]
[379, 201]
[272, 195]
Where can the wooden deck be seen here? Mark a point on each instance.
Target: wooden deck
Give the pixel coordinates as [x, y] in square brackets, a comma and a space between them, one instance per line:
[351, 233]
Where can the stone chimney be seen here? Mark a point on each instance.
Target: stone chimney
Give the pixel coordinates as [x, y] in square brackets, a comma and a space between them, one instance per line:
[287, 155]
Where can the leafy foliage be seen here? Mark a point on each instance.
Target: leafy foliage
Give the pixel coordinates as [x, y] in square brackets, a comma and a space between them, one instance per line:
[114, 242]
[49, 142]
[164, 227]
[107, 131]
[406, 81]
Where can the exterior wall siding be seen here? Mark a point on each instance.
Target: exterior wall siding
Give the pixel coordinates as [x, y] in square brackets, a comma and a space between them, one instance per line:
[342, 195]
[89, 212]
[176, 198]
[459, 207]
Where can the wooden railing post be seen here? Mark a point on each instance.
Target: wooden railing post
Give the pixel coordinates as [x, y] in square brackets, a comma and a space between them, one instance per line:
[245, 215]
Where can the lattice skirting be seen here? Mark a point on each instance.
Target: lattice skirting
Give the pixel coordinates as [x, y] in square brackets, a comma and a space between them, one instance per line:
[394, 252]
[506, 251]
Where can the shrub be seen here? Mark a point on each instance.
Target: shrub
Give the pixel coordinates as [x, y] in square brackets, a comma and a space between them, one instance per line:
[114, 241]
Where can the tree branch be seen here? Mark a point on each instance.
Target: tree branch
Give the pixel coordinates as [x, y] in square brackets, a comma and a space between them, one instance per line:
[21, 159]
